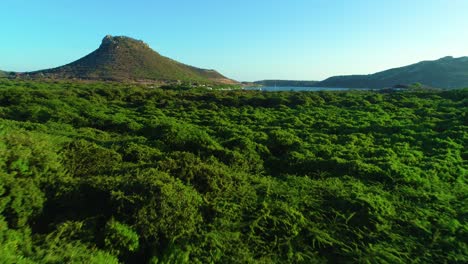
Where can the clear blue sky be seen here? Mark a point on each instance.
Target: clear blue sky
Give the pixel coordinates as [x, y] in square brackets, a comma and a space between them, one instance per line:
[243, 39]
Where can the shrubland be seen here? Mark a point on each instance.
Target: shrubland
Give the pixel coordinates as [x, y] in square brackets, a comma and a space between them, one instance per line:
[109, 173]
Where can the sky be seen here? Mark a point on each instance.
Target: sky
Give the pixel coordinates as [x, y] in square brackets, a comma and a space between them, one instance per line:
[245, 40]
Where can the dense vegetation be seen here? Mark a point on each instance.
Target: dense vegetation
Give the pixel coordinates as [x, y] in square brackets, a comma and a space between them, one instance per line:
[447, 72]
[124, 58]
[107, 173]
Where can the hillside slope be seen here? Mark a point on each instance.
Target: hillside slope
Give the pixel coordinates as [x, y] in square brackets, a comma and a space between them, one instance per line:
[447, 72]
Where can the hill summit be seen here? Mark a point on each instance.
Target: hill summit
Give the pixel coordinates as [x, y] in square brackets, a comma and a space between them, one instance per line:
[124, 58]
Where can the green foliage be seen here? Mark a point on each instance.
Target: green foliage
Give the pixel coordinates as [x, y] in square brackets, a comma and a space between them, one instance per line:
[120, 238]
[108, 173]
[27, 162]
[63, 246]
[85, 159]
[161, 206]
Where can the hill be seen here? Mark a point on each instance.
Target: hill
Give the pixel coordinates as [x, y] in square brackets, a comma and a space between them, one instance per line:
[447, 72]
[286, 83]
[123, 58]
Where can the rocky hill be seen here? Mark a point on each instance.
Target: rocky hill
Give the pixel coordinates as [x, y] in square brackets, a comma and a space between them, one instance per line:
[123, 58]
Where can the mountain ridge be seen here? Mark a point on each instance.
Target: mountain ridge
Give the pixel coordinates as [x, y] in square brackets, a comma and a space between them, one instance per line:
[446, 72]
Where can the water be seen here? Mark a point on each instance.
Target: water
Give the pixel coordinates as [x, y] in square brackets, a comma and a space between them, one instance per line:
[299, 89]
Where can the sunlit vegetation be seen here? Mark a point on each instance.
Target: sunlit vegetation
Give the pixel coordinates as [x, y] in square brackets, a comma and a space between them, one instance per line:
[109, 173]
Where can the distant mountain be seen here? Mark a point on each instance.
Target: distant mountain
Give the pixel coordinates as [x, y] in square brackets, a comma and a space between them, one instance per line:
[447, 72]
[286, 83]
[123, 58]
[3, 74]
